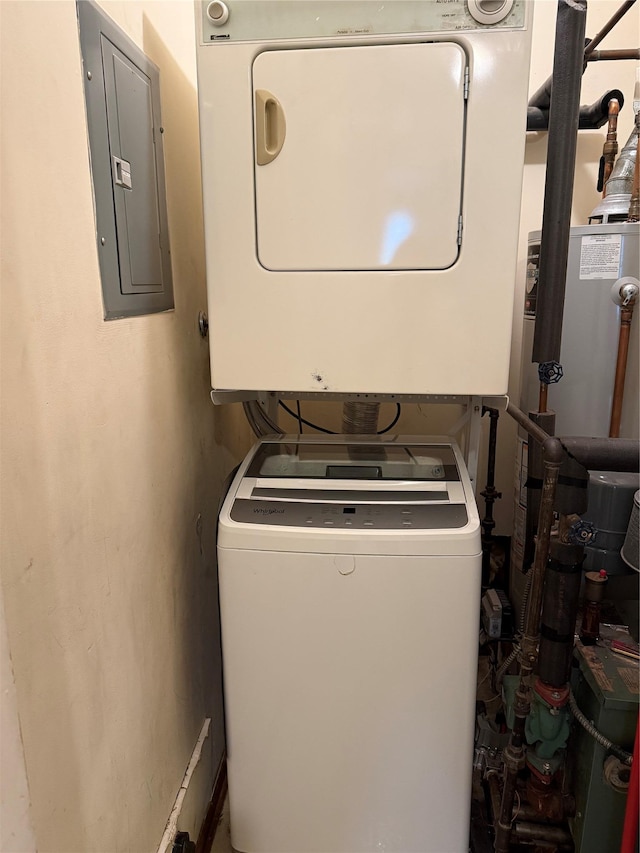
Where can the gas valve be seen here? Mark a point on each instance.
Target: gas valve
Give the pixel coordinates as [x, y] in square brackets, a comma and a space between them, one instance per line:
[582, 533]
[550, 372]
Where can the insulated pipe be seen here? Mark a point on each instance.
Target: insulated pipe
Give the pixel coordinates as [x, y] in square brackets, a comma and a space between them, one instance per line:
[547, 421]
[596, 454]
[559, 612]
[591, 117]
[604, 454]
[542, 97]
[561, 156]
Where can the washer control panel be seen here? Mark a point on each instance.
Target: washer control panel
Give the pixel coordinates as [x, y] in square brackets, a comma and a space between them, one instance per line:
[332, 516]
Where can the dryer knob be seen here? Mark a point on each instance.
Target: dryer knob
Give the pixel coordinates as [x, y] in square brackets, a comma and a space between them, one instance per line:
[489, 11]
[218, 13]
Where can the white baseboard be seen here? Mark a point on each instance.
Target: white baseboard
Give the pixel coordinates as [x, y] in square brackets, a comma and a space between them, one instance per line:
[172, 823]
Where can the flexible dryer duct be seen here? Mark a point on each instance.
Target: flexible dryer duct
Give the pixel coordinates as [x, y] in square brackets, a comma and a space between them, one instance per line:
[360, 418]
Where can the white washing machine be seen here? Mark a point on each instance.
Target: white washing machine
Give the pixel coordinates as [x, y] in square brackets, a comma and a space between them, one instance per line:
[350, 593]
[362, 167]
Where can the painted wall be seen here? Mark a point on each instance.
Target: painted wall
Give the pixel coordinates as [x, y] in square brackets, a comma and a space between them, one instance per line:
[112, 459]
[16, 828]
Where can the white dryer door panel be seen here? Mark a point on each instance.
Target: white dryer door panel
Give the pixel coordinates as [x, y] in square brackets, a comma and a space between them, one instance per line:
[359, 156]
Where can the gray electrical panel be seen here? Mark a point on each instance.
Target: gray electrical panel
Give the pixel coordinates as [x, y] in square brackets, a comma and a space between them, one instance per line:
[122, 93]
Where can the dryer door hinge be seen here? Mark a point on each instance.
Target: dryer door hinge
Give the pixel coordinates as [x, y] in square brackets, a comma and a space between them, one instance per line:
[460, 230]
[466, 83]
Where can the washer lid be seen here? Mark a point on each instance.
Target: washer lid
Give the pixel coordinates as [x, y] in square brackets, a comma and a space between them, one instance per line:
[357, 462]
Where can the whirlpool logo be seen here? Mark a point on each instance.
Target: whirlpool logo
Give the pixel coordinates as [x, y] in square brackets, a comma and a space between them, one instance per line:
[263, 511]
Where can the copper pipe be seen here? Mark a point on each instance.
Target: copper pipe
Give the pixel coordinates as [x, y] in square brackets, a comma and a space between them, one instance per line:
[610, 150]
[604, 55]
[595, 41]
[542, 397]
[626, 315]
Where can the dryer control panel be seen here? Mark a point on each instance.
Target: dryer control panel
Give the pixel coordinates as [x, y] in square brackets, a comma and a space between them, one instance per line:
[260, 20]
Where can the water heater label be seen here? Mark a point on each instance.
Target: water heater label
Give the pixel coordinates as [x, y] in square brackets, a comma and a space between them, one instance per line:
[600, 256]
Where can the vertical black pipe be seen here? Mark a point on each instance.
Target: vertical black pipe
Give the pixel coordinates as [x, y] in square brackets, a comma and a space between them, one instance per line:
[559, 612]
[535, 466]
[490, 495]
[561, 157]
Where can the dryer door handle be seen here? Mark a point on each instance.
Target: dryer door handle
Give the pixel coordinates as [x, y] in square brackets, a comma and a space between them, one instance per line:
[271, 127]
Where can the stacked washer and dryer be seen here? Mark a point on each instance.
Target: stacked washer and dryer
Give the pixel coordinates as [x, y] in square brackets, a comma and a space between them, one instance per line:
[348, 170]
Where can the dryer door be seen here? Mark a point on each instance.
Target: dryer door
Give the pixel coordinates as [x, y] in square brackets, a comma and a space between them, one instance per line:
[359, 156]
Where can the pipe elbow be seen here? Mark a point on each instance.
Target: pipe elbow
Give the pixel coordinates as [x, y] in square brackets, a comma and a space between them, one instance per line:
[552, 450]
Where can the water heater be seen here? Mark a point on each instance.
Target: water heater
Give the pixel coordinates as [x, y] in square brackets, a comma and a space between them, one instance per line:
[361, 166]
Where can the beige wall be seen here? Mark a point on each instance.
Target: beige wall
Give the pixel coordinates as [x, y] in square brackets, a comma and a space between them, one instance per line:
[111, 451]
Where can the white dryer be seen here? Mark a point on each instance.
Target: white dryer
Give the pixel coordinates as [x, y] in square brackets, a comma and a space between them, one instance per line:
[349, 591]
[361, 167]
